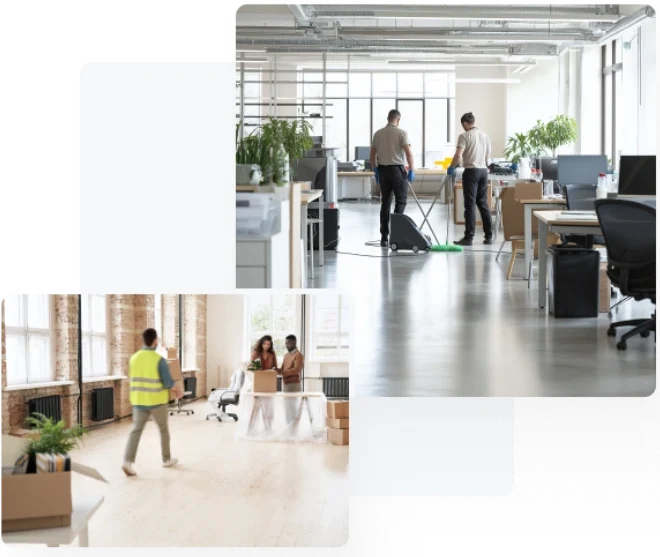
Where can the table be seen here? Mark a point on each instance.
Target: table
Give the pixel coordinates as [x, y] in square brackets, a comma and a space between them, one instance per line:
[84, 507]
[530, 206]
[277, 427]
[552, 221]
[307, 199]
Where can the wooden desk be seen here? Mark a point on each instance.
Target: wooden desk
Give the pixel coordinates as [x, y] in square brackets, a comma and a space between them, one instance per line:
[551, 221]
[307, 200]
[530, 206]
[247, 188]
[84, 507]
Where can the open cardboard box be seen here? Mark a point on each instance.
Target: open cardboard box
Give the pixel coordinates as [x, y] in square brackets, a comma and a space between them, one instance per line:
[34, 501]
[265, 381]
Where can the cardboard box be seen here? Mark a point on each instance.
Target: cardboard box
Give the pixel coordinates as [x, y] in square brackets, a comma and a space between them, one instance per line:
[337, 409]
[171, 353]
[265, 382]
[175, 369]
[338, 436]
[604, 290]
[34, 501]
[337, 423]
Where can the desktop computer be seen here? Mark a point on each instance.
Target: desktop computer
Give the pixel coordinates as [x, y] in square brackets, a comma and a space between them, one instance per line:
[579, 170]
[637, 176]
[548, 166]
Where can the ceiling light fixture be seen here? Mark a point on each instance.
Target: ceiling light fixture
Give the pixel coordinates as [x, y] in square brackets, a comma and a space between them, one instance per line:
[485, 80]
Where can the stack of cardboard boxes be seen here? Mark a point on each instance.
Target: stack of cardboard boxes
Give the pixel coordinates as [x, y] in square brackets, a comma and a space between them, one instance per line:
[337, 422]
[175, 367]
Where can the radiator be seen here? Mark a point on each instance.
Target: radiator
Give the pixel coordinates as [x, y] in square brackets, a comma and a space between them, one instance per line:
[103, 404]
[190, 384]
[49, 406]
[335, 387]
[279, 384]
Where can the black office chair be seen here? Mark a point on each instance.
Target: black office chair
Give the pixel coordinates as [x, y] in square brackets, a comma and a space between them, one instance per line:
[629, 230]
[581, 198]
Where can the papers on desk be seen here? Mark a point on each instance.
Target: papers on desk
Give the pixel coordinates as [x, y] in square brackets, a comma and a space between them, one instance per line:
[578, 215]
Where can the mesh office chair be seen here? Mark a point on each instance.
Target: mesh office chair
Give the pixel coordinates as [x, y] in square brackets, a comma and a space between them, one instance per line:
[221, 398]
[629, 230]
[581, 198]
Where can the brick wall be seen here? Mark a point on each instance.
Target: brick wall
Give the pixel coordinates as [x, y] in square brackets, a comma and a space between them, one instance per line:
[128, 316]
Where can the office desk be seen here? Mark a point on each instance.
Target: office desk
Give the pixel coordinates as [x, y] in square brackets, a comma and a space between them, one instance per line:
[550, 221]
[307, 199]
[530, 206]
[263, 416]
[84, 507]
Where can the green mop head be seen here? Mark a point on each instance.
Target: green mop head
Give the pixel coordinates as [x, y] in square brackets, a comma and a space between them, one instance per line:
[446, 247]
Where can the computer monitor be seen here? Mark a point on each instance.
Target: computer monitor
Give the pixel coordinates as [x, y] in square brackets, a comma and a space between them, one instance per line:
[317, 139]
[637, 175]
[548, 166]
[580, 169]
[362, 153]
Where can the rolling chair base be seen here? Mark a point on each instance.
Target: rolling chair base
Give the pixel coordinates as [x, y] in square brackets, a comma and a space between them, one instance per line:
[642, 327]
[222, 415]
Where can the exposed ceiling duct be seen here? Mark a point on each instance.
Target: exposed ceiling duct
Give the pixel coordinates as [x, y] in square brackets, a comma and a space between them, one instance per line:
[627, 22]
[299, 14]
[605, 13]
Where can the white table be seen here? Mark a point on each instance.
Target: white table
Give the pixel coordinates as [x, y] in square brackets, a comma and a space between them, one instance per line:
[84, 507]
[551, 221]
[531, 205]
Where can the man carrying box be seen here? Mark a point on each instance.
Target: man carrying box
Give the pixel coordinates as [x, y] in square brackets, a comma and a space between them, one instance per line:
[292, 365]
[150, 384]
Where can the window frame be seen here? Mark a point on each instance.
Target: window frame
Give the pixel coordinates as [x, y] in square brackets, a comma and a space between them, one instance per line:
[91, 335]
[342, 319]
[26, 332]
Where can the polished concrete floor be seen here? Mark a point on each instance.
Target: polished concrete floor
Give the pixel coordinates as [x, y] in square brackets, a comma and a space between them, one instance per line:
[450, 324]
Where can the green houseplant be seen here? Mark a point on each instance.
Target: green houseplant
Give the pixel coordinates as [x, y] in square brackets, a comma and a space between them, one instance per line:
[561, 130]
[254, 365]
[50, 437]
[517, 147]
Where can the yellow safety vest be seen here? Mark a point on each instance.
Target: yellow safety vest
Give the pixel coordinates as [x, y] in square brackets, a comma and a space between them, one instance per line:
[147, 389]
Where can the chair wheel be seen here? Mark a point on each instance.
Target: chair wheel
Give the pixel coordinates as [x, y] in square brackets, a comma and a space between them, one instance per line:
[415, 249]
[611, 332]
[394, 247]
[645, 334]
[193, 411]
[171, 413]
[207, 417]
[235, 419]
[621, 345]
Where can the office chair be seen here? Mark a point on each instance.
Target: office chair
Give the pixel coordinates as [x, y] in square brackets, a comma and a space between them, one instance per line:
[581, 198]
[221, 398]
[629, 230]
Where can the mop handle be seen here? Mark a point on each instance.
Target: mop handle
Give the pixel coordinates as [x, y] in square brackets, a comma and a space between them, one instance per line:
[452, 183]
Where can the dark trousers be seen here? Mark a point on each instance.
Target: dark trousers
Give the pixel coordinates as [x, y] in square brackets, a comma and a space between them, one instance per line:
[475, 193]
[393, 180]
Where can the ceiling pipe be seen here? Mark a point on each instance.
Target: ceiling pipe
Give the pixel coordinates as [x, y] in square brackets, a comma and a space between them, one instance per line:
[299, 14]
[486, 12]
[626, 23]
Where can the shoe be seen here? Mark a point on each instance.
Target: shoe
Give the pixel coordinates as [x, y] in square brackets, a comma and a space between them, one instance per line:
[170, 462]
[488, 241]
[127, 467]
[464, 241]
[383, 242]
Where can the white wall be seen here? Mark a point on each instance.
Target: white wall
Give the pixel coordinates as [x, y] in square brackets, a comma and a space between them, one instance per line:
[536, 97]
[224, 338]
[647, 110]
[589, 124]
[487, 101]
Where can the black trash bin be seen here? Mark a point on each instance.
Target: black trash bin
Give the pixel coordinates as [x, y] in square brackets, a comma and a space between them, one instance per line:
[573, 275]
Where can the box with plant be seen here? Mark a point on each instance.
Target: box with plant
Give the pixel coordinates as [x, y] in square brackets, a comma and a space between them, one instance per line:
[50, 438]
[254, 365]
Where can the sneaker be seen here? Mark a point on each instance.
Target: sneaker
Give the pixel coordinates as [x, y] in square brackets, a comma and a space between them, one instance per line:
[127, 467]
[488, 241]
[170, 462]
[383, 242]
[464, 241]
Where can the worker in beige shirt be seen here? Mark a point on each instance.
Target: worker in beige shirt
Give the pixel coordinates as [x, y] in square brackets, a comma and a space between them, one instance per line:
[390, 149]
[473, 146]
[291, 370]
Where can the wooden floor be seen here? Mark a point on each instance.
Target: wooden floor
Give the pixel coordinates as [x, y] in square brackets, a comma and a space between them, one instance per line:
[222, 493]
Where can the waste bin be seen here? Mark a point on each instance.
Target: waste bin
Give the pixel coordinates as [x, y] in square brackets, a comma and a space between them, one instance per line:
[573, 281]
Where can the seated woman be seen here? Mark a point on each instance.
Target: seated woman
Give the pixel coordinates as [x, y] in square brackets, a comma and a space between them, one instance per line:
[263, 350]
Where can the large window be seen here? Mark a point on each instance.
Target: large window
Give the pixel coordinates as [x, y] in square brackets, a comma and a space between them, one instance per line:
[276, 315]
[331, 327]
[29, 348]
[94, 335]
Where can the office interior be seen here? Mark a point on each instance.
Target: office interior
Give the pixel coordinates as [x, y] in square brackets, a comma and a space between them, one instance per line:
[454, 324]
[226, 489]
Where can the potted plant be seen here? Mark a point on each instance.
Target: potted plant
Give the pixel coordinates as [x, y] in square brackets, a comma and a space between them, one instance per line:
[254, 365]
[561, 130]
[517, 147]
[50, 437]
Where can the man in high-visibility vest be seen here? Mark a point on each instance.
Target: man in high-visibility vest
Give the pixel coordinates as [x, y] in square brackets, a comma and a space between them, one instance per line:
[150, 384]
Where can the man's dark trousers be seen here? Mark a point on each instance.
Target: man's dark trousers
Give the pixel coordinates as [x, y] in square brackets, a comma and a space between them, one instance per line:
[475, 192]
[393, 180]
